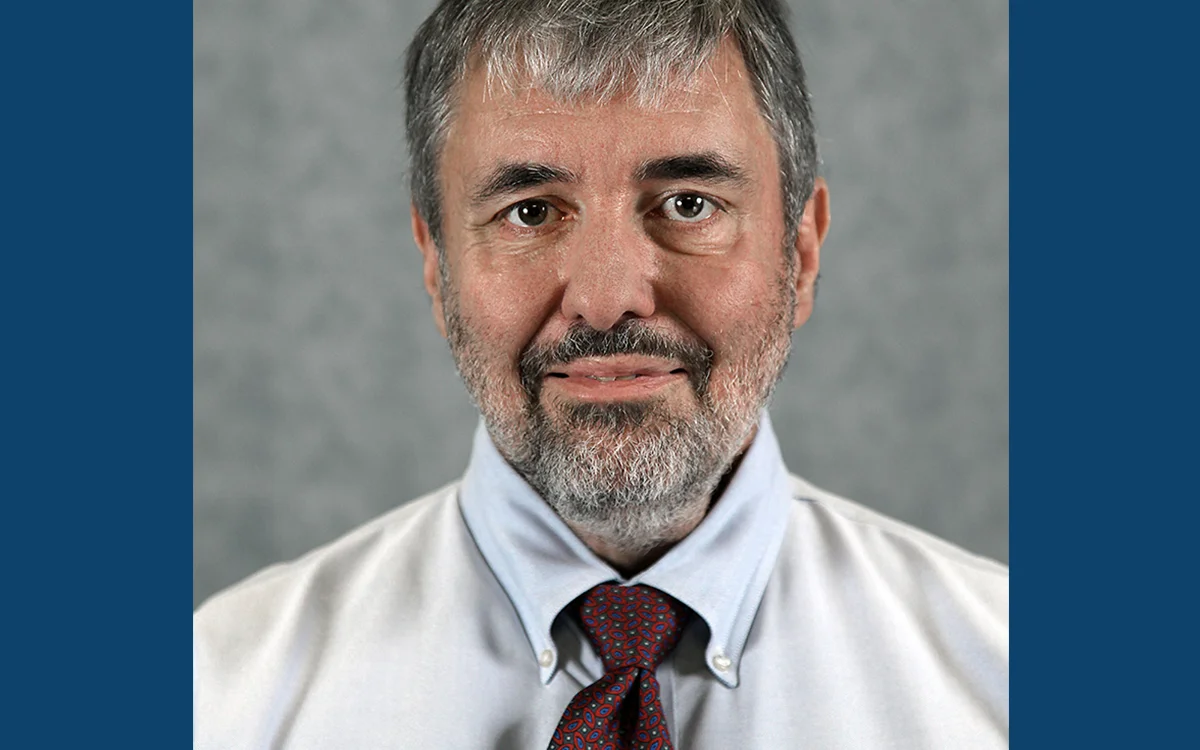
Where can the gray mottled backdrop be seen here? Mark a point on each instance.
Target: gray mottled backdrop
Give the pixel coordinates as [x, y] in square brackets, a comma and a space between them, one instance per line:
[324, 396]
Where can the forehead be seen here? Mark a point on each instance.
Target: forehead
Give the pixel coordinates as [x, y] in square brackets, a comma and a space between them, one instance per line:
[713, 110]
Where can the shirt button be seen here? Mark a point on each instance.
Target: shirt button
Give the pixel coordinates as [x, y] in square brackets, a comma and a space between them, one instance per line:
[722, 662]
[546, 658]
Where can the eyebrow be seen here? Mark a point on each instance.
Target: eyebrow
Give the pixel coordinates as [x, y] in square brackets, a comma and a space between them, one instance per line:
[708, 166]
[510, 178]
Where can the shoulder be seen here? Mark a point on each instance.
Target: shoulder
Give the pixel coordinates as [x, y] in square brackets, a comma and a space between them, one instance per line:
[914, 564]
[873, 523]
[414, 526]
[278, 605]
[360, 610]
[897, 607]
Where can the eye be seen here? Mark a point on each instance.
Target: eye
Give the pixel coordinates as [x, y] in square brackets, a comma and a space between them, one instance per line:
[531, 213]
[688, 207]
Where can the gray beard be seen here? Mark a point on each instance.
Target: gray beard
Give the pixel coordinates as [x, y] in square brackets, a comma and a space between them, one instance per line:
[626, 472]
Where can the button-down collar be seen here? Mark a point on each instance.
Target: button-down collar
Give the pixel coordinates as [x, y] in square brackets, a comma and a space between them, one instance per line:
[719, 570]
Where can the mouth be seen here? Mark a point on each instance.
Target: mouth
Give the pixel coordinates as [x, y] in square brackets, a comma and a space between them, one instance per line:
[614, 378]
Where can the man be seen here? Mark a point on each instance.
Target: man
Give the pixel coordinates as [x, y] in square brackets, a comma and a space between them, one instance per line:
[621, 224]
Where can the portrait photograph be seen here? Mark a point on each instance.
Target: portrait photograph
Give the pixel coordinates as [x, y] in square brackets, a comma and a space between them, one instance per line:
[601, 374]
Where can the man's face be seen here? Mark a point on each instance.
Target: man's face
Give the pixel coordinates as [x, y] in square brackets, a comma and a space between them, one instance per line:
[617, 288]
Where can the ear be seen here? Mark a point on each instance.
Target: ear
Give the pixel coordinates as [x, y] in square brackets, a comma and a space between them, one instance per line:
[433, 277]
[814, 225]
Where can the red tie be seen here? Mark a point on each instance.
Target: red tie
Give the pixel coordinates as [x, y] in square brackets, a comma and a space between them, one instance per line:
[633, 628]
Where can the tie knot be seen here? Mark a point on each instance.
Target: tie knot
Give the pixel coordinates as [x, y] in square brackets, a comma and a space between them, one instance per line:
[631, 625]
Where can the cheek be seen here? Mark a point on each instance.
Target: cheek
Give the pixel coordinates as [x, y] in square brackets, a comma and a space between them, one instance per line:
[731, 305]
[505, 305]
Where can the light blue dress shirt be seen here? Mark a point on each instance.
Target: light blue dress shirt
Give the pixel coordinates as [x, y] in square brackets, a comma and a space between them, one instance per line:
[819, 624]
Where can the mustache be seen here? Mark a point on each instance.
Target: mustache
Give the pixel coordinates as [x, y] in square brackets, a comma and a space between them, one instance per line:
[628, 337]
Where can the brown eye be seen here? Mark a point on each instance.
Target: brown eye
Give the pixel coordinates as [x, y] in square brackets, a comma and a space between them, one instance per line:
[688, 207]
[530, 213]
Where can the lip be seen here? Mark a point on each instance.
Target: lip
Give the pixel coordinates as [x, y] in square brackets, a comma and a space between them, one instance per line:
[622, 377]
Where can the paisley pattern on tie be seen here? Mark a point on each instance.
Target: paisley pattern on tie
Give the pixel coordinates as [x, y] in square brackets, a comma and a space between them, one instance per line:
[633, 628]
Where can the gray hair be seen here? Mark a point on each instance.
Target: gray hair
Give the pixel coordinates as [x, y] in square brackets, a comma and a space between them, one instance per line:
[598, 49]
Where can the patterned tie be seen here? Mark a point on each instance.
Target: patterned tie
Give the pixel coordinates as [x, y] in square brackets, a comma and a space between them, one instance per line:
[633, 629]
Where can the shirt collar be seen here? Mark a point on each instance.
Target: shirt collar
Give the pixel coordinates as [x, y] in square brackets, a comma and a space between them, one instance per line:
[720, 570]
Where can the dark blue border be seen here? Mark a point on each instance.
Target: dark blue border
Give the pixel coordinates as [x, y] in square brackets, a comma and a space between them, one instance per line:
[95, 295]
[95, 298]
[1103, 344]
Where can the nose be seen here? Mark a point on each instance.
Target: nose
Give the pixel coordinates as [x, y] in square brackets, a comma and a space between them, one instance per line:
[609, 276]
